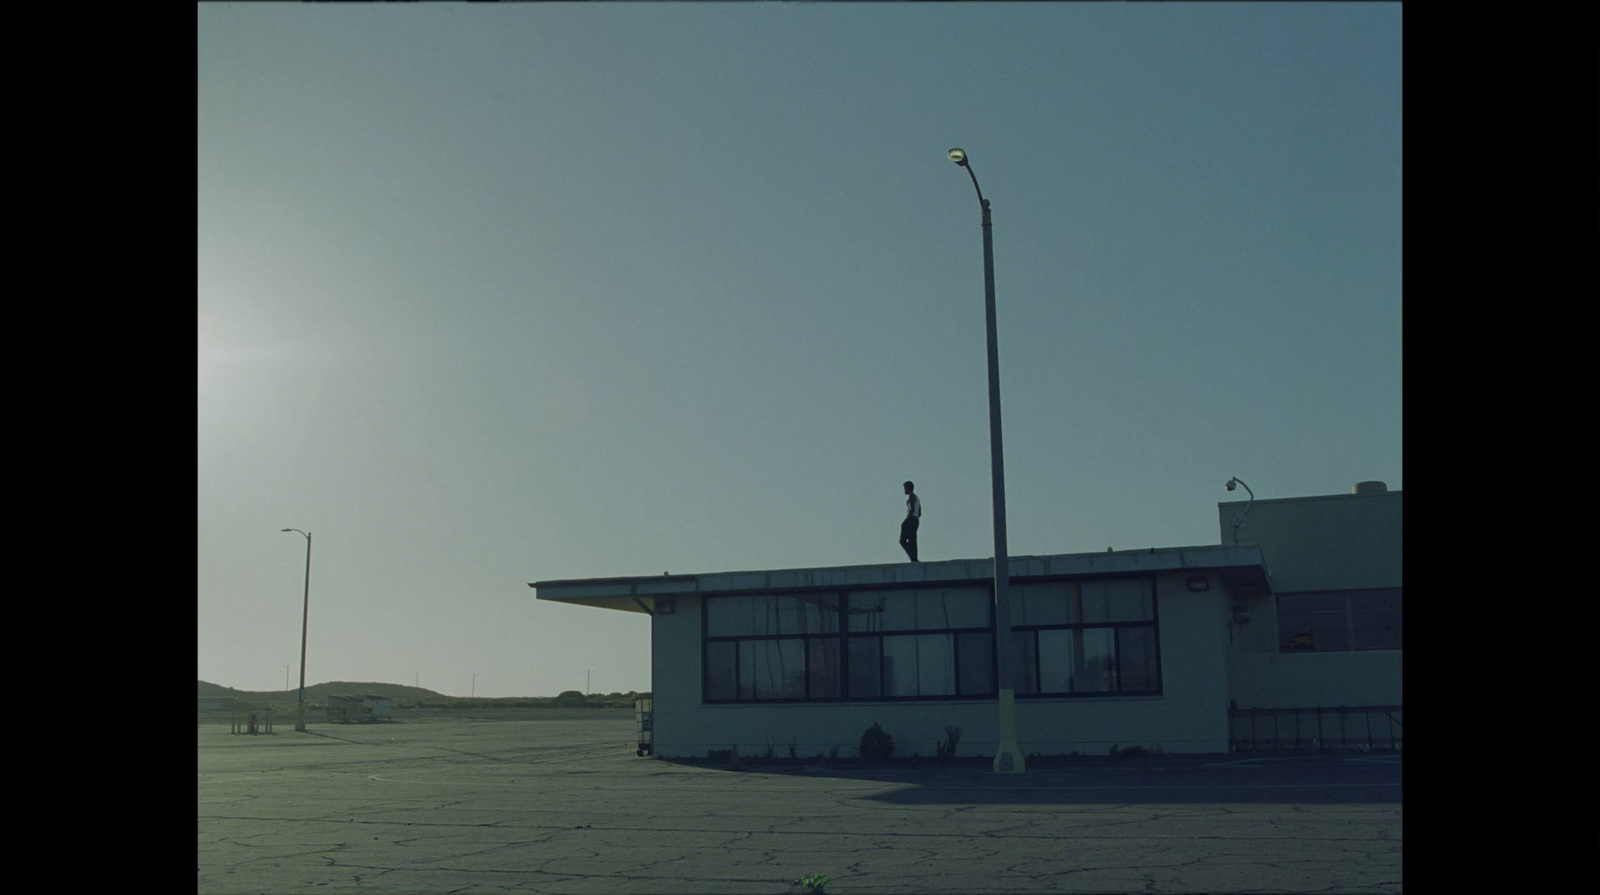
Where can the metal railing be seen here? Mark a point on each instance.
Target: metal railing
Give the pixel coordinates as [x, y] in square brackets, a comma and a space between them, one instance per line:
[1344, 728]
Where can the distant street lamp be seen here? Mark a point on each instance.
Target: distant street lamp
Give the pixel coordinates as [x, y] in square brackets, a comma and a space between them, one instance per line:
[1008, 758]
[300, 709]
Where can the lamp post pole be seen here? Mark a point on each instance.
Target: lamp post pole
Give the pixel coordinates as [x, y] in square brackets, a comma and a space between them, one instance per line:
[1239, 519]
[305, 617]
[1008, 758]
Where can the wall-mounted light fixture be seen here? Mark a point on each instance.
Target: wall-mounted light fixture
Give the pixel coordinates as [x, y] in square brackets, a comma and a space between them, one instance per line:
[1199, 583]
[1241, 615]
[665, 606]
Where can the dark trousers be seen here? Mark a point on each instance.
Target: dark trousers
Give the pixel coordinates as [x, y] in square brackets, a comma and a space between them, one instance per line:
[908, 536]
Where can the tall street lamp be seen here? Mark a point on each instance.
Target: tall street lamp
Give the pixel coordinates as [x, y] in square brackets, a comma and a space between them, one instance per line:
[1008, 758]
[300, 710]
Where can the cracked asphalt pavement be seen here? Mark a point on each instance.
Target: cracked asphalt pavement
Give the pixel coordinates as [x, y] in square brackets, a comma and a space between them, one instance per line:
[552, 804]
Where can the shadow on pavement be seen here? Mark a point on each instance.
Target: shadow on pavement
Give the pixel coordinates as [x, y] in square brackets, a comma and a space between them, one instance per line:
[1207, 779]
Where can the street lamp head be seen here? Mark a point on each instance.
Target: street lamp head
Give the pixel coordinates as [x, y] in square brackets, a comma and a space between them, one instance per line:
[959, 156]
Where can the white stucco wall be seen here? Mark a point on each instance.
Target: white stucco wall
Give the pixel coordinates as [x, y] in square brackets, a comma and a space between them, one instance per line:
[1325, 543]
[1329, 542]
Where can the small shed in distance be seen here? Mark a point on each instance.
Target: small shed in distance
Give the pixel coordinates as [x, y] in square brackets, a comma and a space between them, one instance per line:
[346, 708]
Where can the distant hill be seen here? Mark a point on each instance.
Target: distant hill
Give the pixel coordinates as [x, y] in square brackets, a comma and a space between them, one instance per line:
[420, 696]
[317, 691]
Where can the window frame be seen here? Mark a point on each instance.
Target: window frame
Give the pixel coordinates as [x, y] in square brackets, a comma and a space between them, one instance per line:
[845, 637]
[1344, 612]
[1021, 633]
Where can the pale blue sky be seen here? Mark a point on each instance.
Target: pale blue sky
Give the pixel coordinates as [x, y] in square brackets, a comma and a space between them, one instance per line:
[498, 294]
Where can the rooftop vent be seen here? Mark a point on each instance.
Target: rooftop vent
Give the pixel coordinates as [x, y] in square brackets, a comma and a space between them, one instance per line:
[1369, 488]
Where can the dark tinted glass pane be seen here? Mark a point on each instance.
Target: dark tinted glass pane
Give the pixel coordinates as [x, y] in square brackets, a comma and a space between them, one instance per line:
[1328, 602]
[1375, 620]
[976, 660]
[1298, 604]
[1375, 629]
[1136, 659]
[936, 665]
[1325, 641]
[1056, 660]
[942, 608]
[883, 611]
[723, 618]
[1295, 638]
[1294, 622]
[1380, 638]
[824, 612]
[925, 609]
[1340, 620]
[1293, 625]
[740, 616]
[719, 669]
[1117, 600]
[1324, 622]
[810, 614]
[900, 666]
[771, 669]
[1025, 649]
[1038, 604]
[763, 615]
[1388, 599]
[1093, 660]
[789, 616]
[1094, 602]
[822, 667]
[865, 676]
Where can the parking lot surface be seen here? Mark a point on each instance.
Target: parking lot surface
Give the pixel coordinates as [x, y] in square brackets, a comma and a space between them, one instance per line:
[548, 804]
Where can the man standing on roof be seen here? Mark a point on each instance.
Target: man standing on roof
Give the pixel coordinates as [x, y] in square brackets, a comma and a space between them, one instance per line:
[908, 528]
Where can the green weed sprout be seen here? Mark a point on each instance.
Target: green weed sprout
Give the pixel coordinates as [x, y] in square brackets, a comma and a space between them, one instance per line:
[813, 884]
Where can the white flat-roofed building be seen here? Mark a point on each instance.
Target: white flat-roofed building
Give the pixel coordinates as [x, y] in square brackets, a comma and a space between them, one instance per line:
[1153, 647]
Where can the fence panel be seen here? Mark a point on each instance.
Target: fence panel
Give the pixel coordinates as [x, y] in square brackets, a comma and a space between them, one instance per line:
[1362, 728]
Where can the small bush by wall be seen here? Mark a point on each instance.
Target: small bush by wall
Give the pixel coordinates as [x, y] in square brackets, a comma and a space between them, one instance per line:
[946, 748]
[876, 744]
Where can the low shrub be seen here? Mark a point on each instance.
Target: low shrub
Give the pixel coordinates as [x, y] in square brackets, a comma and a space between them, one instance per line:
[946, 748]
[876, 744]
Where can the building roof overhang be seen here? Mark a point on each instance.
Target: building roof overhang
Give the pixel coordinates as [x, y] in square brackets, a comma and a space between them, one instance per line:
[1242, 569]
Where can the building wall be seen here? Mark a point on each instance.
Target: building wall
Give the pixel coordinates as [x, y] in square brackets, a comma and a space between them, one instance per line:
[1334, 542]
[1190, 716]
[1310, 680]
[1327, 543]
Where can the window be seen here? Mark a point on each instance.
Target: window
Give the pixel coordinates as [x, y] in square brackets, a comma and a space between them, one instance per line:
[1086, 637]
[1339, 621]
[1072, 638]
[928, 642]
[770, 647]
[760, 616]
[897, 644]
